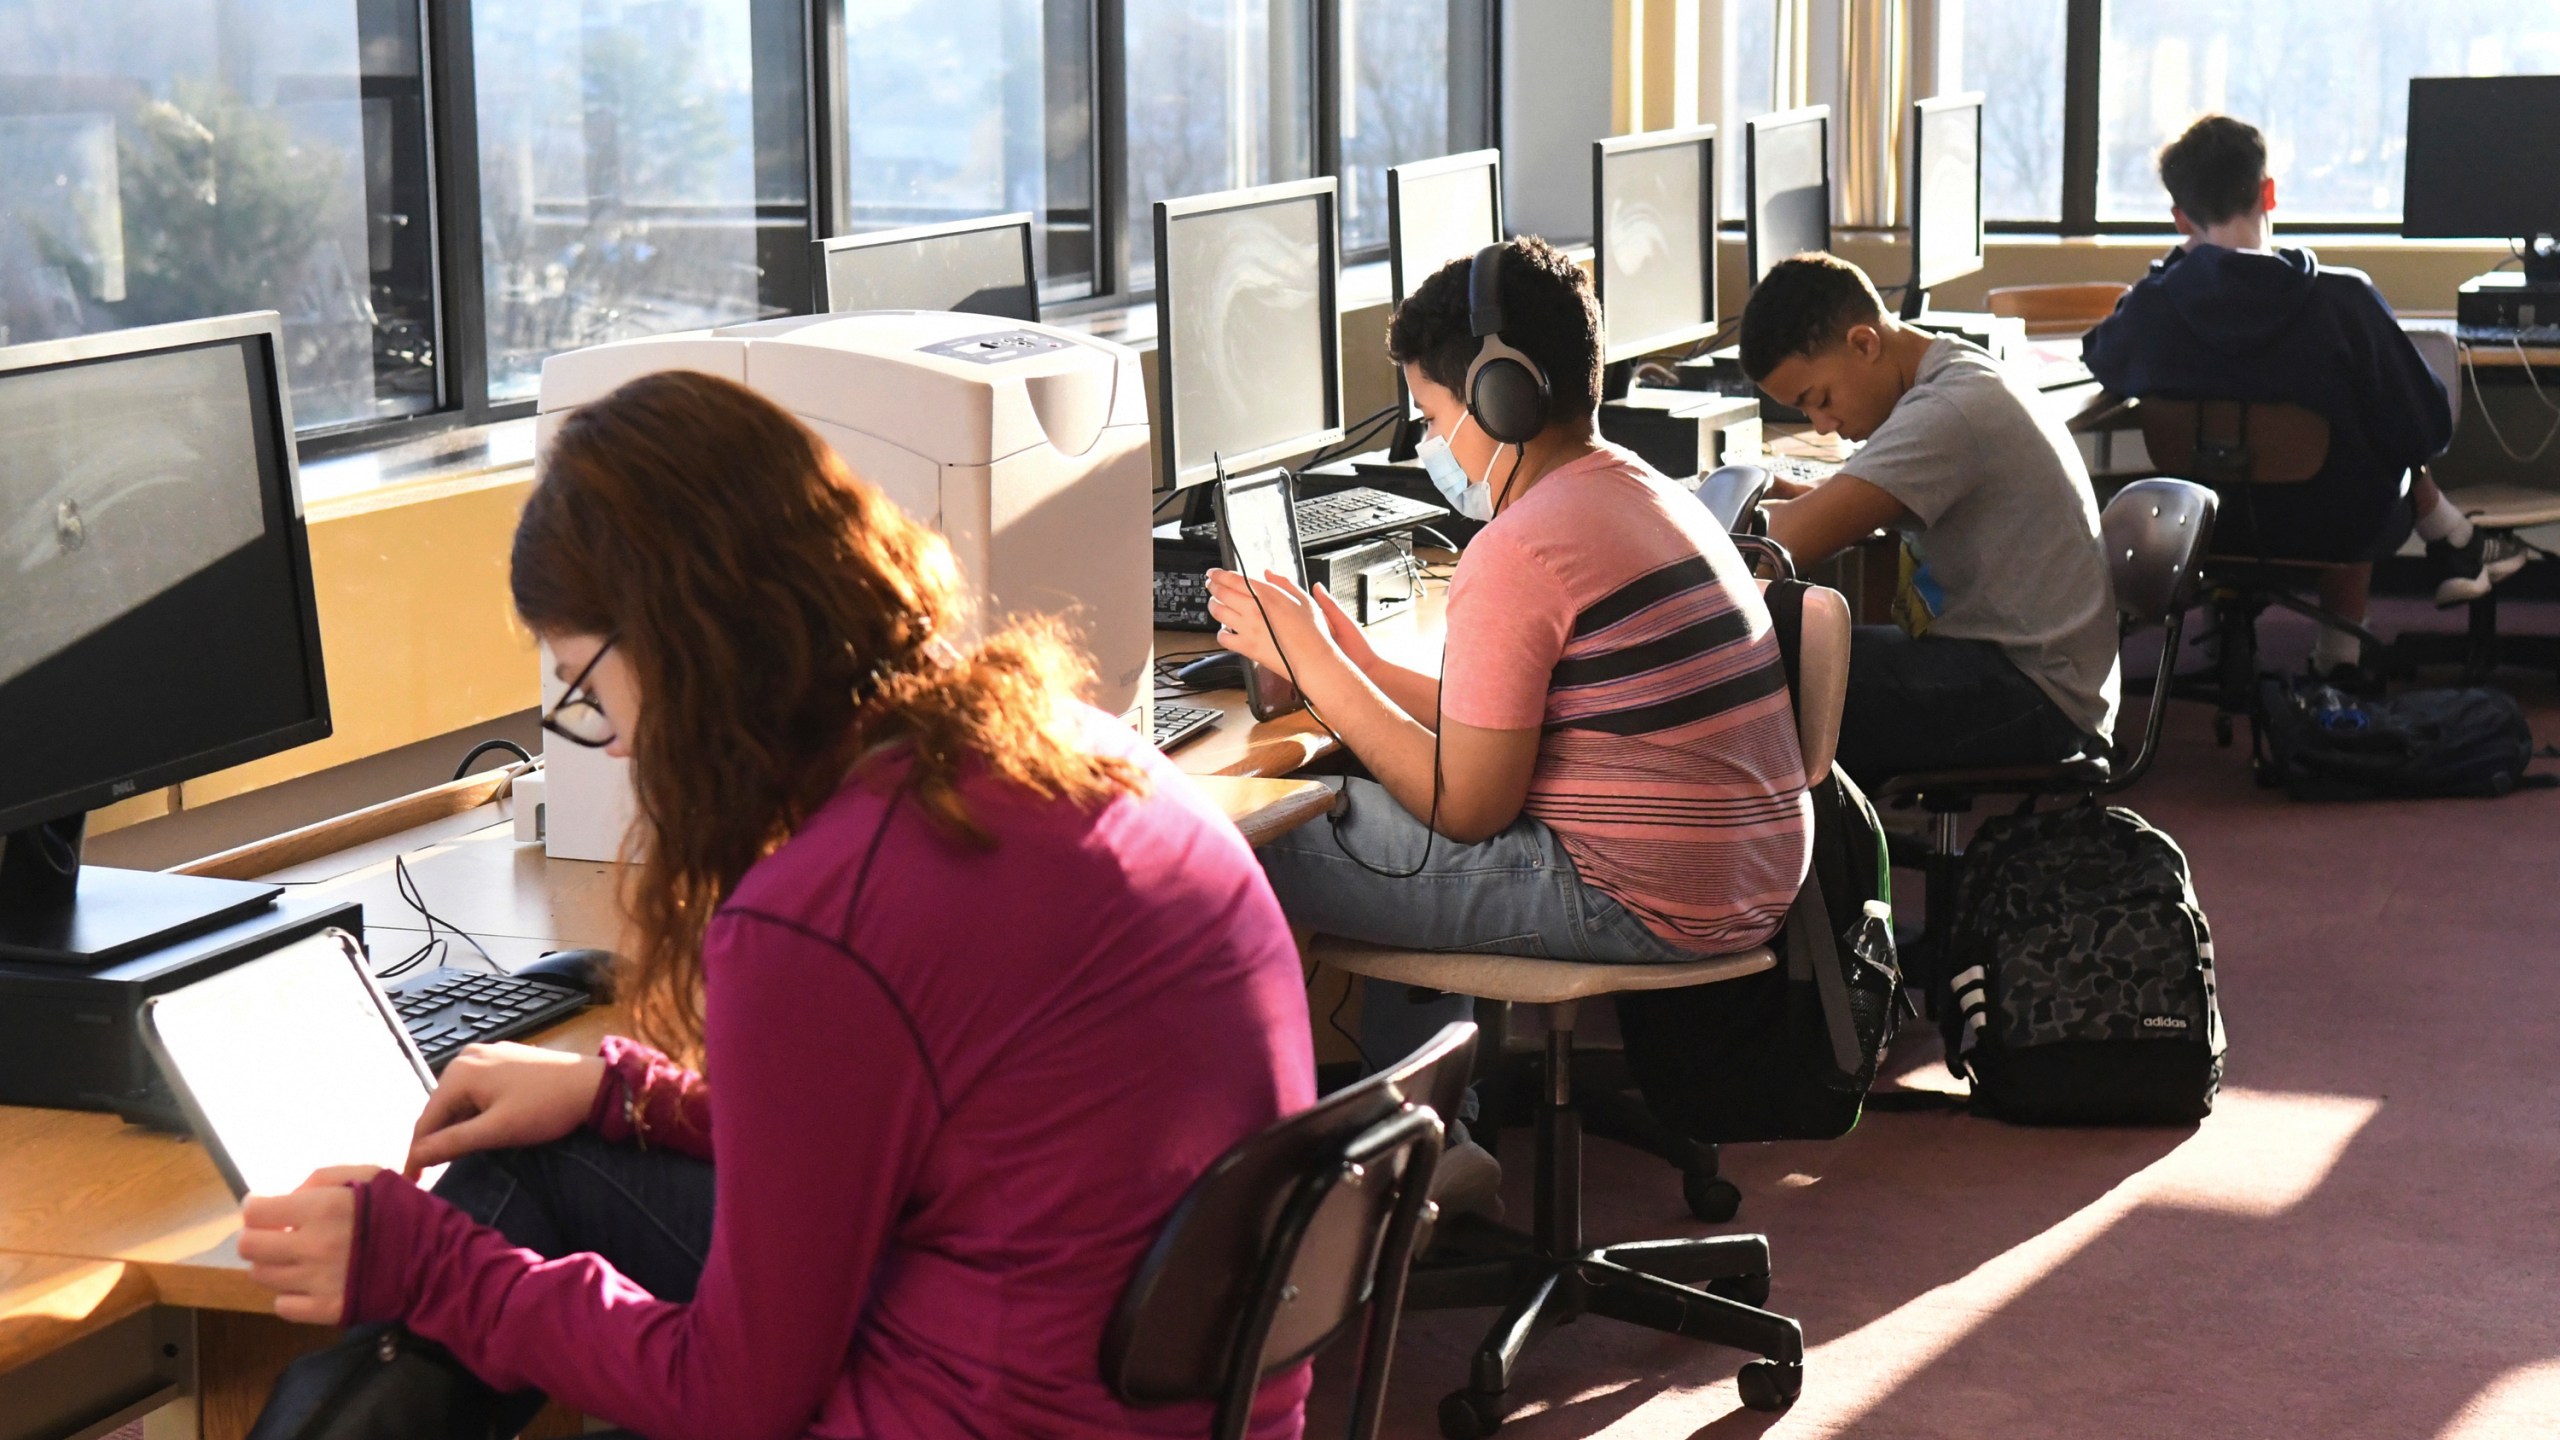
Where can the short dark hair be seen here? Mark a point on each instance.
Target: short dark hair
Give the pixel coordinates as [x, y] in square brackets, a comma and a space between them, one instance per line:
[2215, 170]
[1802, 307]
[1548, 314]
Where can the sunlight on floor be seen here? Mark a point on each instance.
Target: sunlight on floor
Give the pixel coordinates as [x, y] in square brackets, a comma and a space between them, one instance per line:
[2522, 1403]
[2260, 1155]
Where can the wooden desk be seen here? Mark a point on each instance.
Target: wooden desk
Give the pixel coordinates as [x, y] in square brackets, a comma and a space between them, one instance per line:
[99, 1220]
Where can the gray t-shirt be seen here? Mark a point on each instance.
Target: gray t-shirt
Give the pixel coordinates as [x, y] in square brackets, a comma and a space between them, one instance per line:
[2006, 538]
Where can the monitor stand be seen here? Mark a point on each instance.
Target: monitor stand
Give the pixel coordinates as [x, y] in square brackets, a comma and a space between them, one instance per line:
[55, 910]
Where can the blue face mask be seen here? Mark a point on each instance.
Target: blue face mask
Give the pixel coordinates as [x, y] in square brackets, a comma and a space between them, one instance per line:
[1469, 497]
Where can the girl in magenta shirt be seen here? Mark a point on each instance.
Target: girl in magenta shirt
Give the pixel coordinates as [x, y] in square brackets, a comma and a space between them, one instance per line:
[950, 988]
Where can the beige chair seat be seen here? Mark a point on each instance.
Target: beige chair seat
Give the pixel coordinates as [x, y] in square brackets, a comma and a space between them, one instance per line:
[2506, 507]
[1526, 980]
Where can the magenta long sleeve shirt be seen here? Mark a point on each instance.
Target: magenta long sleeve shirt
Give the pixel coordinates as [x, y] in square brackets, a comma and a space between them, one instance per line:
[949, 1119]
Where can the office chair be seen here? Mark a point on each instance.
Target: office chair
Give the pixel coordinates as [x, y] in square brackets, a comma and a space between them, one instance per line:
[1708, 1288]
[2156, 533]
[1287, 1240]
[2480, 650]
[2053, 310]
[2236, 447]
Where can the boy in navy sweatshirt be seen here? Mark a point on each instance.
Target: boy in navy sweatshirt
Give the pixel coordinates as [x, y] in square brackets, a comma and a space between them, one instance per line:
[2224, 316]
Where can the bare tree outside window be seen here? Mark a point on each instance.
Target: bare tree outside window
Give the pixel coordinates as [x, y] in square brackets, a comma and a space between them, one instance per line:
[1750, 80]
[1220, 95]
[2012, 51]
[1395, 104]
[2327, 80]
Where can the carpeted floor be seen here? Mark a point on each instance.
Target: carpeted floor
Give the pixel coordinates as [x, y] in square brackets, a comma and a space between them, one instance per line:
[2363, 1241]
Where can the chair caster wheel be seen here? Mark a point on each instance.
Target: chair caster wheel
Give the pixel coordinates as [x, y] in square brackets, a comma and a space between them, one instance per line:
[1767, 1385]
[1751, 1290]
[1711, 1198]
[1469, 1414]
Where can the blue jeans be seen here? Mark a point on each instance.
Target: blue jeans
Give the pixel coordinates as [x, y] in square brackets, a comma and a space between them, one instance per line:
[648, 1212]
[1514, 894]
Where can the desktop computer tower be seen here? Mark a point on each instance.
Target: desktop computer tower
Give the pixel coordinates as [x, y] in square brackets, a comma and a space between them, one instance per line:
[1684, 433]
[2505, 300]
[72, 1039]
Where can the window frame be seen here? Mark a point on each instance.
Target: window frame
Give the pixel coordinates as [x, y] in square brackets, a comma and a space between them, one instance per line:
[454, 196]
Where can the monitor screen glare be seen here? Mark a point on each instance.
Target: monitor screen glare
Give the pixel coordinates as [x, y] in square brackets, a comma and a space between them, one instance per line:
[1653, 246]
[1246, 300]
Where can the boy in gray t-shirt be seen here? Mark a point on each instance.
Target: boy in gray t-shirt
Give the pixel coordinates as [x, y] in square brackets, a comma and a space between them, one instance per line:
[2006, 654]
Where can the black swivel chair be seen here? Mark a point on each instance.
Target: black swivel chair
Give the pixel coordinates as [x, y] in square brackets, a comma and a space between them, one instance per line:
[2156, 533]
[1286, 1242]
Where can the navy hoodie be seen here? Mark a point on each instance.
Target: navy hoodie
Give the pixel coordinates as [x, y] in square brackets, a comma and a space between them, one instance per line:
[2211, 323]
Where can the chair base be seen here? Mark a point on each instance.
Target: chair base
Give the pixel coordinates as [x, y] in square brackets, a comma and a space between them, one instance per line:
[2480, 650]
[1708, 1288]
[1612, 1109]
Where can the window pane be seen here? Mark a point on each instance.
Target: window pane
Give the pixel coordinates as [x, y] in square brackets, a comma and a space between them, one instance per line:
[619, 176]
[163, 160]
[1396, 65]
[1750, 73]
[2327, 80]
[1220, 96]
[2012, 51]
[983, 108]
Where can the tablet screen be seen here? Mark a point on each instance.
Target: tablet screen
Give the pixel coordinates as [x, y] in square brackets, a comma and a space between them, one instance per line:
[292, 1063]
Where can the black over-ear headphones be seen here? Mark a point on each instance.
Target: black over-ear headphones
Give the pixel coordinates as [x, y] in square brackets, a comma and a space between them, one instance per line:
[1506, 391]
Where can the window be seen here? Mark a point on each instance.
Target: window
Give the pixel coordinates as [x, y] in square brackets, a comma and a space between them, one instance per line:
[1396, 90]
[619, 188]
[983, 108]
[1220, 95]
[437, 197]
[2012, 51]
[2327, 80]
[163, 162]
[1750, 81]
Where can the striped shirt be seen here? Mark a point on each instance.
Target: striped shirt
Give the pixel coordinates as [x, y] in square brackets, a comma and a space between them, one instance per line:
[1606, 610]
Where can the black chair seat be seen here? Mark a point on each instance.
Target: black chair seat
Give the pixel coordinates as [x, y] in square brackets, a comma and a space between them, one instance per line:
[2077, 771]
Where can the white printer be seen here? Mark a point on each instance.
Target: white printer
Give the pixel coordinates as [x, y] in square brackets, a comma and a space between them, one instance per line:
[1025, 446]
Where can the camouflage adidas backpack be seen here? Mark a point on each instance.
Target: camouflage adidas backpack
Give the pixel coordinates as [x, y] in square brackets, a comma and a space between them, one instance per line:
[2081, 973]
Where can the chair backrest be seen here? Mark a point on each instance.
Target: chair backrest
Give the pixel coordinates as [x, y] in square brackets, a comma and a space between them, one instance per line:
[2223, 443]
[2156, 533]
[1822, 678]
[2056, 309]
[1285, 1241]
[1732, 492]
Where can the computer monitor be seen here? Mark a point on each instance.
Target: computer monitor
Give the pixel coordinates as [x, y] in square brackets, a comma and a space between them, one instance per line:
[2479, 163]
[978, 267]
[160, 623]
[1946, 195]
[1248, 329]
[1437, 211]
[1653, 239]
[1787, 162]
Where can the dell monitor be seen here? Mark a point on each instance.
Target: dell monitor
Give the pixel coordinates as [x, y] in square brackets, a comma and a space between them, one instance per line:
[2479, 164]
[160, 623]
[1787, 165]
[1248, 329]
[1437, 211]
[1653, 239]
[977, 267]
[1946, 195]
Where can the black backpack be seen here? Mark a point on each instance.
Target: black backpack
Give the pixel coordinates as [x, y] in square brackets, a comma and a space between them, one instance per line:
[2080, 973]
[2322, 744]
[1789, 1053]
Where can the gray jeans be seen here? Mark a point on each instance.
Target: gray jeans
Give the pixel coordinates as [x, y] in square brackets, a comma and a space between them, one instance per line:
[1514, 894]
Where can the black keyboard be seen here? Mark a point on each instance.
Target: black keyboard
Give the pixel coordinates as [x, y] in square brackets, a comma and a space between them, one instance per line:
[2507, 334]
[446, 1009]
[1353, 514]
[1177, 725]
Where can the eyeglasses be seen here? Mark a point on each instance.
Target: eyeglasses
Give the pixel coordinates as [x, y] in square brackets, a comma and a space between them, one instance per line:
[578, 718]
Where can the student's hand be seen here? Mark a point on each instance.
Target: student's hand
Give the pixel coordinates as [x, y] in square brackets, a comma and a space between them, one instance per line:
[1268, 619]
[503, 1097]
[298, 1245]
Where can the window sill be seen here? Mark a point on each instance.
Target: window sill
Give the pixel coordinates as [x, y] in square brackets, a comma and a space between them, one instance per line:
[414, 469]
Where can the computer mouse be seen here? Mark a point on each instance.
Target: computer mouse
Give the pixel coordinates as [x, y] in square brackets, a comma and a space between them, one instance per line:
[1222, 671]
[590, 971]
